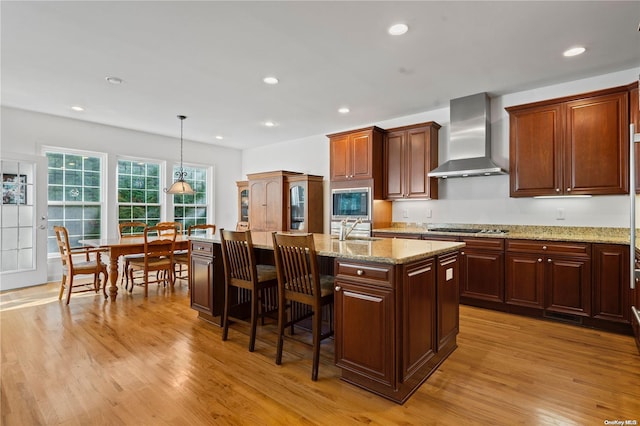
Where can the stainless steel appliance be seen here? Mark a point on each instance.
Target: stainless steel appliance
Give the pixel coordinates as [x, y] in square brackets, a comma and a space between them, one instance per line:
[635, 273]
[351, 203]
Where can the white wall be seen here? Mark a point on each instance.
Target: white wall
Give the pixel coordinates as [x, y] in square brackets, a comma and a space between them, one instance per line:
[482, 200]
[26, 132]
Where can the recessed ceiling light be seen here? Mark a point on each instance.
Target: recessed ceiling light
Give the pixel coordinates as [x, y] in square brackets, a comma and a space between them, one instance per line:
[77, 108]
[574, 51]
[269, 123]
[343, 110]
[113, 80]
[398, 29]
[270, 80]
[219, 137]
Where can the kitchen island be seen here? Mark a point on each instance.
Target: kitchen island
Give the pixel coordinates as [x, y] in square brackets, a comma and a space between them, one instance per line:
[396, 304]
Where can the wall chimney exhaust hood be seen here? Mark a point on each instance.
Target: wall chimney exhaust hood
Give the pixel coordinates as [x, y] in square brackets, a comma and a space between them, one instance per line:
[469, 139]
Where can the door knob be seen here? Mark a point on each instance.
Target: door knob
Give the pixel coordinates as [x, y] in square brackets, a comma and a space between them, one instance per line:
[549, 260]
[539, 260]
[360, 272]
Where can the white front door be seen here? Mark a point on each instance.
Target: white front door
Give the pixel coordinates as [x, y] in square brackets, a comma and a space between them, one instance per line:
[23, 221]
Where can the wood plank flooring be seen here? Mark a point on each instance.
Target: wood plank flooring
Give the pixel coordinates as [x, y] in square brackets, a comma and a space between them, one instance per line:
[153, 362]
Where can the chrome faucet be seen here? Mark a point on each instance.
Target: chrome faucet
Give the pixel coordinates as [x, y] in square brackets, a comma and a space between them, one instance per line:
[345, 230]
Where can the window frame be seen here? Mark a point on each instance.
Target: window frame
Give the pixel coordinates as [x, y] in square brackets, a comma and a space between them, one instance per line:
[208, 204]
[161, 180]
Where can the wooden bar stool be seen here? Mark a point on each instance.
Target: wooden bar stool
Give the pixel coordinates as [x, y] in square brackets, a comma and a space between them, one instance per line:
[242, 272]
[299, 280]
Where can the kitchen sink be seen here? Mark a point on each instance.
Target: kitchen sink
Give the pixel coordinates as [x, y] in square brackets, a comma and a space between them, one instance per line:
[355, 238]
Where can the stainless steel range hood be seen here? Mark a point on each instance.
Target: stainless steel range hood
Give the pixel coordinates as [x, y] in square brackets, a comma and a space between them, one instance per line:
[469, 140]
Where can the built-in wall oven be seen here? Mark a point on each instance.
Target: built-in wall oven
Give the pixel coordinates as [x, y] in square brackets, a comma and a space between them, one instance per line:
[351, 204]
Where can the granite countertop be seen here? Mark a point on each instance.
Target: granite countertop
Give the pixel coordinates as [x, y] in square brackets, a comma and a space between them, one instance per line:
[383, 250]
[525, 232]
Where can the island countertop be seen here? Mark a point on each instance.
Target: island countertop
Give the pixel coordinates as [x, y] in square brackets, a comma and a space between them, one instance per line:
[383, 250]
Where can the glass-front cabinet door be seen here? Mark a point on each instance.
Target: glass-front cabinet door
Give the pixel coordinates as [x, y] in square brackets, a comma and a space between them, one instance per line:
[296, 207]
[243, 201]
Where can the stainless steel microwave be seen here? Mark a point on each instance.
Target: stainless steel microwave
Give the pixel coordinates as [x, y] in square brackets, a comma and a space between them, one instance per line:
[351, 203]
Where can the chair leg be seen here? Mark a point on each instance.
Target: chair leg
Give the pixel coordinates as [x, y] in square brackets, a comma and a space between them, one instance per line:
[282, 308]
[146, 284]
[70, 288]
[254, 320]
[225, 313]
[62, 283]
[132, 282]
[317, 331]
[105, 273]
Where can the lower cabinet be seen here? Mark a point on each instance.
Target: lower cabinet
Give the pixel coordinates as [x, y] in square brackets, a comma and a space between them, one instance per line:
[482, 271]
[394, 324]
[553, 276]
[205, 269]
[611, 295]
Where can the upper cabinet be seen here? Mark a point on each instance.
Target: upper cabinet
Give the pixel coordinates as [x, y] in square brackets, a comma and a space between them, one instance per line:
[634, 118]
[356, 155]
[243, 200]
[304, 207]
[410, 152]
[574, 145]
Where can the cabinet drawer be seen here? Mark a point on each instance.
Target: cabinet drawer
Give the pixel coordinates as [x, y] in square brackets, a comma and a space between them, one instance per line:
[405, 235]
[377, 274]
[484, 243]
[554, 247]
[201, 248]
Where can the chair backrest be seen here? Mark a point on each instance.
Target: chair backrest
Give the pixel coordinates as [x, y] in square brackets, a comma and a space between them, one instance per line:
[238, 258]
[131, 229]
[177, 225]
[201, 229]
[242, 226]
[297, 265]
[62, 238]
[159, 241]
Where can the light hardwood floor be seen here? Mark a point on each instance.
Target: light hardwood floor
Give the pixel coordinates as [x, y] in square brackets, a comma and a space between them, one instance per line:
[153, 362]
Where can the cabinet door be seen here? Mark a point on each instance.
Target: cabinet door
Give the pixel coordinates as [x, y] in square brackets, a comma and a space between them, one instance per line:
[201, 282]
[258, 205]
[524, 280]
[535, 151]
[395, 163]
[634, 118]
[417, 155]
[568, 285]
[361, 155]
[364, 330]
[611, 293]
[274, 205]
[297, 207]
[596, 148]
[448, 299]
[419, 316]
[243, 205]
[482, 275]
[340, 158]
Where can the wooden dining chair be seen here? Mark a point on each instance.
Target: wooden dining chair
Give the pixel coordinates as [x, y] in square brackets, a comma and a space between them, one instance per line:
[72, 267]
[299, 281]
[181, 258]
[159, 245]
[242, 272]
[130, 230]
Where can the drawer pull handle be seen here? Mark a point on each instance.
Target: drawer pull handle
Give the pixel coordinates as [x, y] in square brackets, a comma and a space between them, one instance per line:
[539, 260]
[462, 253]
[360, 272]
[338, 288]
[549, 260]
[544, 247]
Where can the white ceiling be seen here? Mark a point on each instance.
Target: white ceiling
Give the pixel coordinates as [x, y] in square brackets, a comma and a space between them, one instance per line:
[207, 59]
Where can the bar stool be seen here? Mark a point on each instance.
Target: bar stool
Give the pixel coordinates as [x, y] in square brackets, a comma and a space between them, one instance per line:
[242, 272]
[299, 281]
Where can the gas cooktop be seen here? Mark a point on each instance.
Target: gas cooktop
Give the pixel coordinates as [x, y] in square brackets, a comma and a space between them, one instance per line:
[470, 230]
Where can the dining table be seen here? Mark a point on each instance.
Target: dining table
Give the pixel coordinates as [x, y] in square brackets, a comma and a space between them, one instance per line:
[117, 247]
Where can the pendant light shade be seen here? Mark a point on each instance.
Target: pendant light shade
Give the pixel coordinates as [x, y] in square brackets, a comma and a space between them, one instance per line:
[180, 186]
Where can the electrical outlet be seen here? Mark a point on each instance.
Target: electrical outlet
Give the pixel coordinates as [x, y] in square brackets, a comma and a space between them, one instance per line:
[560, 213]
[428, 213]
[405, 213]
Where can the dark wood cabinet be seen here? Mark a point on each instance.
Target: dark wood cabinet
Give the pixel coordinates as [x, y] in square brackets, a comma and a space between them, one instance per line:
[482, 270]
[634, 118]
[410, 152]
[364, 320]
[573, 145]
[205, 269]
[554, 276]
[611, 292]
[356, 154]
[448, 300]
[405, 235]
[304, 203]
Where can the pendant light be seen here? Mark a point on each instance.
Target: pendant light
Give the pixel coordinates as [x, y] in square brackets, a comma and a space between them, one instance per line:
[180, 186]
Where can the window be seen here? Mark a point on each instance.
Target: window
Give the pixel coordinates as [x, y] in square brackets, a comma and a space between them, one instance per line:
[192, 209]
[138, 192]
[74, 196]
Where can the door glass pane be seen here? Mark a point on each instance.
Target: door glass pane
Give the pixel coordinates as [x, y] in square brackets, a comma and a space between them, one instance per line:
[296, 207]
[25, 215]
[25, 237]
